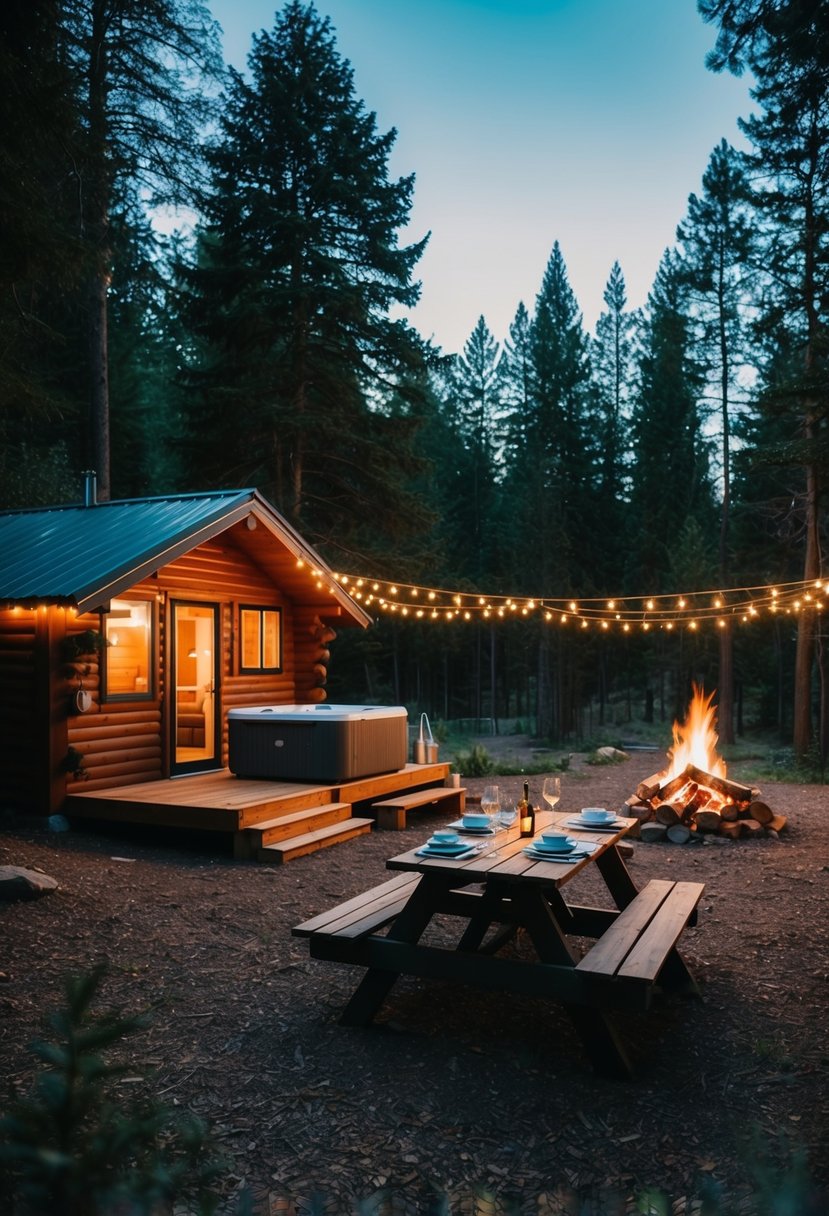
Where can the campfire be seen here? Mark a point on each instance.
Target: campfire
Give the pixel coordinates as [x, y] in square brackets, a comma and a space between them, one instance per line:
[694, 794]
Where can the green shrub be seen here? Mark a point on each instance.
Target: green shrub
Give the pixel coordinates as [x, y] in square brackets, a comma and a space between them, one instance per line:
[477, 762]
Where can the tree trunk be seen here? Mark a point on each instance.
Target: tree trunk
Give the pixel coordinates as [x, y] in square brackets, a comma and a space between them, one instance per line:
[725, 715]
[99, 385]
[493, 681]
[725, 691]
[804, 655]
[96, 230]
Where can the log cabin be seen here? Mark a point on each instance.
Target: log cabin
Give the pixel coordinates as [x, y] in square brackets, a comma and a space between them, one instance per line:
[129, 628]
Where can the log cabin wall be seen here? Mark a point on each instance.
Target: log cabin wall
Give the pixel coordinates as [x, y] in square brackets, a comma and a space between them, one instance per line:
[116, 742]
[21, 721]
[124, 742]
[218, 572]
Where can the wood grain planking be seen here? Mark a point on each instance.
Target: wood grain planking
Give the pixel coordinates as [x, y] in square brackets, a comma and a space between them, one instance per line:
[393, 887]
[610, 951]
[648, 955]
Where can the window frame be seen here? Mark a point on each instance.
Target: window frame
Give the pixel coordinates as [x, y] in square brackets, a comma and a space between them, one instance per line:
[260, 610]
[152, 677]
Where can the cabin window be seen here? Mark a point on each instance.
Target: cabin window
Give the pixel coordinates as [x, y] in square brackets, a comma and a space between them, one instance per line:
[260, 638]
[128, 631]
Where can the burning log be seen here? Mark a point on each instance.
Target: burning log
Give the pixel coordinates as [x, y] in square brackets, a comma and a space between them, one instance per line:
[695, 804]
[638, 809]
[647, 789]
[686, 799]
[729, 789]
[673, 786]
[653, 788]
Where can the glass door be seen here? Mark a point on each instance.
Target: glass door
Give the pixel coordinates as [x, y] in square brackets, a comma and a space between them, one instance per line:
[195, 716]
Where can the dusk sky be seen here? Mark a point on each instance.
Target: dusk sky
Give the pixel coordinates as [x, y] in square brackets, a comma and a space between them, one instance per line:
[588, 122]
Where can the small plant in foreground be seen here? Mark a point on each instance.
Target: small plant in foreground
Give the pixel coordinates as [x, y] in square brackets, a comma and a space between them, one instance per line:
[74, 1147]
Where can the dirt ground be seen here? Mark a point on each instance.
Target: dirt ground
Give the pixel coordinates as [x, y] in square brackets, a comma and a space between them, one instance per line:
[456, 1100]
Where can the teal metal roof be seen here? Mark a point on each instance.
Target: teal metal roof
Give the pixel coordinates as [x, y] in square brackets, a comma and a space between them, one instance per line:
[84, 555]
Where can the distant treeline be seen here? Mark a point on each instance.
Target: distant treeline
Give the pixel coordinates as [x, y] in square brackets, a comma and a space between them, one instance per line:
[679, 447]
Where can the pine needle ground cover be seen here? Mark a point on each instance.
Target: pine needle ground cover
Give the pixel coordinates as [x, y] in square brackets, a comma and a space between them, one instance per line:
[457, 1101]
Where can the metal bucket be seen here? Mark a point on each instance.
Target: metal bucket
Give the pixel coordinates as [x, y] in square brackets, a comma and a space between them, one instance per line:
[425, 748]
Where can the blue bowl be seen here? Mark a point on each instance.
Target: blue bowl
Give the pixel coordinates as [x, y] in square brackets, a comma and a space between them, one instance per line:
[554, 842]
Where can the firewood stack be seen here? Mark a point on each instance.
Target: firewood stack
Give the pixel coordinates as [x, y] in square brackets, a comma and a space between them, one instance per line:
[695, 803]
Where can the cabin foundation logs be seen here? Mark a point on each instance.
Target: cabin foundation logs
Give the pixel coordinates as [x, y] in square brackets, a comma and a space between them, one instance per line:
[695, 804]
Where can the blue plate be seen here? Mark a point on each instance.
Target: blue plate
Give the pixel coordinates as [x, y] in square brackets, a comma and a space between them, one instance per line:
[448, 851]
[555, 854]
[608, 825]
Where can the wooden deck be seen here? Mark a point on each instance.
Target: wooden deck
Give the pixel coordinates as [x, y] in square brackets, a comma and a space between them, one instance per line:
[314, 816]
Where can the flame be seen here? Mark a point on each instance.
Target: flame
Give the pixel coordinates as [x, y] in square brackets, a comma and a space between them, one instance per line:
[695, 740]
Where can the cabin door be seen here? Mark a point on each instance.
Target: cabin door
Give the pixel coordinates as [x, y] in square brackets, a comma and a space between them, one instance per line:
[195, 716]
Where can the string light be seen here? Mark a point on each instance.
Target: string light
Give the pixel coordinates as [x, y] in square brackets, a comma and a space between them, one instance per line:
[686, 611]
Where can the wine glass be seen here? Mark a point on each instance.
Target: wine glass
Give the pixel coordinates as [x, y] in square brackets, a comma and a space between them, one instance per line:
[507, 815]
[491, 801]
[491, 804]
[551, 791]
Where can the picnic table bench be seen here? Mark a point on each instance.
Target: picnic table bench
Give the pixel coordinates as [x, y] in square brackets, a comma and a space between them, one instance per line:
[634, 952]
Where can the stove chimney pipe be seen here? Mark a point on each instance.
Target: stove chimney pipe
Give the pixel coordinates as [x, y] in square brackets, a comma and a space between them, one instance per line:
[90, 488]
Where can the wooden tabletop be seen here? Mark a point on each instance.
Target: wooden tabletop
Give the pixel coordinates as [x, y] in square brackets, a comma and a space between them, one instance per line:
[511, 862]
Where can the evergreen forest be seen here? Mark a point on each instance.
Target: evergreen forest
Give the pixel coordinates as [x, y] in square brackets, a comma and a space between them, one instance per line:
[680, 448]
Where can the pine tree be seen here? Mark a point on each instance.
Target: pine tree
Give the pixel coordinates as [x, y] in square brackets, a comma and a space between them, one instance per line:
[299, 268]
[549, 478]
[473, 403]
[142, 70]
[716, 242]
[670, 473]
[560, 446]
[40, 257]
[145, 394]
[786, 47]
[515, 371]
[612, 366]
[76, 1146]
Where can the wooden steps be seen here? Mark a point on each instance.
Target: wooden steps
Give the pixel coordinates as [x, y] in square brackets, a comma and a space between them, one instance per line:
[391, 812]
[286, 826]
[299, 833]
[310, 842]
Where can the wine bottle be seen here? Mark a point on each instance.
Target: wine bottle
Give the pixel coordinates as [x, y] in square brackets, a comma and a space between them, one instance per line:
[526, 813]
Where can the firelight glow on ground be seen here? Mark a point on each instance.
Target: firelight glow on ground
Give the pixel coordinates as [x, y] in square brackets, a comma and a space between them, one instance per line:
[530, 121]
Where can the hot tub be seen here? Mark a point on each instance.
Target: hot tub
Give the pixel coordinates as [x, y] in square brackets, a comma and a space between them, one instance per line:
[317, 743]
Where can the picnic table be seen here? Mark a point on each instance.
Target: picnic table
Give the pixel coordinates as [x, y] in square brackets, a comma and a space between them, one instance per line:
[634, 950]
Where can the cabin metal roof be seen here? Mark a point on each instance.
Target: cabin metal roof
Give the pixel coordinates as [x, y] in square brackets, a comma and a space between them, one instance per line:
[83, 555]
